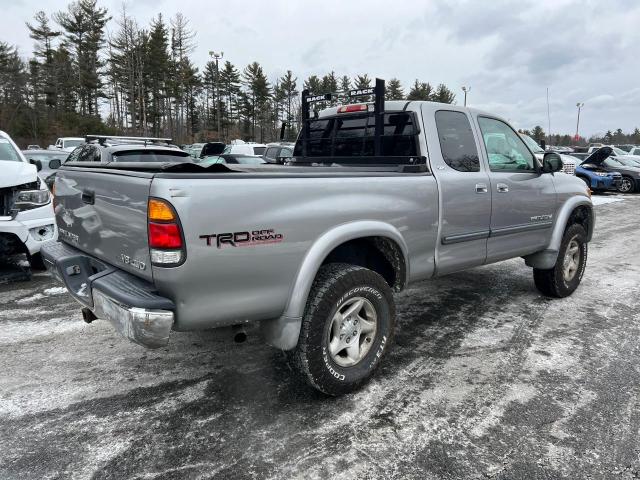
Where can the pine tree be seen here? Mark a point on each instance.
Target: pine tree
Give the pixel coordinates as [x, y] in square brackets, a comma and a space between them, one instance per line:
[443, 94]
[258, 92]
[43, 52]
[158, 66]
[84, 25]
[421, 91]
[537, 133]
[394, 90]
[290, 93]
[230, 92]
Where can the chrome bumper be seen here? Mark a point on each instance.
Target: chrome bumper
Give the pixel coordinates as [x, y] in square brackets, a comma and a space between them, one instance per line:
[132, 305]
[149, 328]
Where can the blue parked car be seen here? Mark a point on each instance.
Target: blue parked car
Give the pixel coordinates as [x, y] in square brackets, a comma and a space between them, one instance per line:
[596, 175]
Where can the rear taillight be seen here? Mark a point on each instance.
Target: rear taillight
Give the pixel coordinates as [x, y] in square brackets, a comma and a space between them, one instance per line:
[165, 234]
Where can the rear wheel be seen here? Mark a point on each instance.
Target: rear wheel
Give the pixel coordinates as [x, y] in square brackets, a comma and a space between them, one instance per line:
[627, 185]
[347, 327]
[563, 279]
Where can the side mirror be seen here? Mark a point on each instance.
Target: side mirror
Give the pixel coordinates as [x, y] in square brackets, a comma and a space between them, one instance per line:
[55, 164]
[551, 163]
[37, 163]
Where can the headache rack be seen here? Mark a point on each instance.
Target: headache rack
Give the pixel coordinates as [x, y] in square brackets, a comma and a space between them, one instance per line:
[114, 139]
[405, 163]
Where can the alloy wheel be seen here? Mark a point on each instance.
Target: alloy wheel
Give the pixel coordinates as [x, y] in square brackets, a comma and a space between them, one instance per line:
[352, 331]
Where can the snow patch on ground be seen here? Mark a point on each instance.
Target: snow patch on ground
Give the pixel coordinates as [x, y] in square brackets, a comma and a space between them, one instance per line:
[55, 291]
[32, 298]
[20, 331]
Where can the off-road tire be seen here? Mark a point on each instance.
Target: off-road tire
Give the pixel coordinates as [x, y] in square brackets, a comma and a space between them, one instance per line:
[552, 282]
[334, 284]
[631, 181]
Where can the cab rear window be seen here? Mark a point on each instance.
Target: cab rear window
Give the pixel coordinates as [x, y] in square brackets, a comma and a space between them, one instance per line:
[353, 136]
[151, 156]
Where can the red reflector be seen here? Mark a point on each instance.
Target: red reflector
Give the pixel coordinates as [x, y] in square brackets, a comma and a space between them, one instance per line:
[352, 108]
[164, 235]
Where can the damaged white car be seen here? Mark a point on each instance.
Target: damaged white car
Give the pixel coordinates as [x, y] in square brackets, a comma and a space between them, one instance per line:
[26, 210]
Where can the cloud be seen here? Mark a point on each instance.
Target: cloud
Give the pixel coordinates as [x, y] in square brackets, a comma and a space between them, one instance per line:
[508, 51]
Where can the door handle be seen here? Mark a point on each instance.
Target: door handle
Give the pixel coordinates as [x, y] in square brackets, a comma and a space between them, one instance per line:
[481, 188]
[502, 188]
[89, 196]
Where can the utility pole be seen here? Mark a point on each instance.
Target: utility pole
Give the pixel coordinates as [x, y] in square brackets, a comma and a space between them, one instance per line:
[218, 56]
[548, 118]
[579, 105]
[466, 90]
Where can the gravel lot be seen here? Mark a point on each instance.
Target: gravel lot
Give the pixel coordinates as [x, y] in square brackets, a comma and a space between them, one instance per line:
[487, 379]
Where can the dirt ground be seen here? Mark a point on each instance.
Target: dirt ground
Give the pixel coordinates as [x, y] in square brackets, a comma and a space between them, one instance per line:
[487, 379]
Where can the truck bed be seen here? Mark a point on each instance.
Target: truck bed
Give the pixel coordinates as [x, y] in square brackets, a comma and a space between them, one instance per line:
[297, 205]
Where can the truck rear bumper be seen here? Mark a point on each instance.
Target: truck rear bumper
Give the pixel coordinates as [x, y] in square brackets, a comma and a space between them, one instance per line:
[130, 304]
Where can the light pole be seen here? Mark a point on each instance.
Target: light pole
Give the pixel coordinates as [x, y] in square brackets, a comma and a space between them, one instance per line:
[217, 56]
[579, 105]
[466, 90]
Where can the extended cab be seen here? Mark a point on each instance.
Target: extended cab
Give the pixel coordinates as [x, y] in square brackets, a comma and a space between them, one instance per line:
[376, 196]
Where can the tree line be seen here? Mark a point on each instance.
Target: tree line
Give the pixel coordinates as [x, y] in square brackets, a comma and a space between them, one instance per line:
[617, 137]
[141, 80]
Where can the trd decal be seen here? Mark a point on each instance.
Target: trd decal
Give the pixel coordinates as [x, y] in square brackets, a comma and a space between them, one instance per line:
[243, 239]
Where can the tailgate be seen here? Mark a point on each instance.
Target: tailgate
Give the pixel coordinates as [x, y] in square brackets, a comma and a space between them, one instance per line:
[104, 214]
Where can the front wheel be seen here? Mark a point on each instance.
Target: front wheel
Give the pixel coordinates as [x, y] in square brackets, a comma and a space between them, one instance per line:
[563, 279]
[347, 327]
[627, 185]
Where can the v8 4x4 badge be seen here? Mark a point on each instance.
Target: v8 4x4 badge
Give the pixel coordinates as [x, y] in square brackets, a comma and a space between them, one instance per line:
[243, 239]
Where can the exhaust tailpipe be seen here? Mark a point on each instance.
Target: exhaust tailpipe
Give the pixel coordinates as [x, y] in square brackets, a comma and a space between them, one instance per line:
[239, 333]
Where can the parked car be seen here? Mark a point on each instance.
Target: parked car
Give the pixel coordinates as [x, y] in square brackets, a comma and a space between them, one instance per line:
[203, 150]
[277, 152]
[245, 148]
[107, 149]
[195, 149]
[26, 213]
[49, 160]
[602, 171]
[34, 147]
[67, 144]
[626, 147]
[314, 250]
[634, 151]
[232, 159]
[568, 162]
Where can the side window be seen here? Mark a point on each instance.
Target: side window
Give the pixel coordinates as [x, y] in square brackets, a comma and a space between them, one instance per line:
[505, 149]
[89, 153]
[271, 152]
[457, 142]
[74, 155]
[286, 153]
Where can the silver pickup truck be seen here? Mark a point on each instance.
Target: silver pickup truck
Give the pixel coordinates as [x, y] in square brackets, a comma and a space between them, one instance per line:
[378, 195]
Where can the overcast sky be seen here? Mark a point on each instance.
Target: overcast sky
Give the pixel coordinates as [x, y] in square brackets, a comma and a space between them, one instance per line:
[508, 52]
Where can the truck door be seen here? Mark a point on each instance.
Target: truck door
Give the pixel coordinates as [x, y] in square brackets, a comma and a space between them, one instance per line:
[523, 198]
[465, 197]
